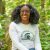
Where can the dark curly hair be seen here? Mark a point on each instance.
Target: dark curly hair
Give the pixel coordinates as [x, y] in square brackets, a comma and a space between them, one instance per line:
[34, 15]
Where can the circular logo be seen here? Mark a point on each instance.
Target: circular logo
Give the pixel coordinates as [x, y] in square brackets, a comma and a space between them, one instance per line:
[26, 35]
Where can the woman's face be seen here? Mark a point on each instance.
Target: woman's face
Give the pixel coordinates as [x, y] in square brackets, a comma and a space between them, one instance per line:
[25, 13]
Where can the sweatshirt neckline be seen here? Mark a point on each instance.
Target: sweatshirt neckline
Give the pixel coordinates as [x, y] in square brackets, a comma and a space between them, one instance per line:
[25, 24]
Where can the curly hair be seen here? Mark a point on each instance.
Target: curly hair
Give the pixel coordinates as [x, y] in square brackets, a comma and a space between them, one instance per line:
[34, 15]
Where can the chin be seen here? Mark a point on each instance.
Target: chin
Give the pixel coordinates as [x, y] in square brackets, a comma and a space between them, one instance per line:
[25, 18]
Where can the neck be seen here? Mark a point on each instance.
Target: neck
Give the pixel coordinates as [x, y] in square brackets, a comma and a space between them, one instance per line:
[25, 22]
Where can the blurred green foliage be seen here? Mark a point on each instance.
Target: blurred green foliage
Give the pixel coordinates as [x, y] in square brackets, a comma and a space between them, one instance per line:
[44, 27]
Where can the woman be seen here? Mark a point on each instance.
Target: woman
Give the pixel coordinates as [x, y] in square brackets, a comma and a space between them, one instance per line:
[23, 30]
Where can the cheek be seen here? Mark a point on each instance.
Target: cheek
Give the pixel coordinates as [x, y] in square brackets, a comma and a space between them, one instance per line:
[27, 16]
[21, 14]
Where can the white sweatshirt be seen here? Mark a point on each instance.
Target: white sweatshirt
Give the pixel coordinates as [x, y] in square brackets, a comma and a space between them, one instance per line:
[24, 36]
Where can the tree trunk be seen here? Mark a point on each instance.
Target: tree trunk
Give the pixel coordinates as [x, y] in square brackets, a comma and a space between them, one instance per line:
[2, 7]
[43, 10]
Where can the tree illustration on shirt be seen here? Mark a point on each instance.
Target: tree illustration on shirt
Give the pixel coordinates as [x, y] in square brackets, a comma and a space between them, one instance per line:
[27, 35]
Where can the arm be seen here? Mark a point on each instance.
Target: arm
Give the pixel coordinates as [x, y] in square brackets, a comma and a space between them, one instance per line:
[37, 39]
[14, 38]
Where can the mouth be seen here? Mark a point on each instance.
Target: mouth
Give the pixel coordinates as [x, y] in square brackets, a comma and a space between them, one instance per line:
[24, 16]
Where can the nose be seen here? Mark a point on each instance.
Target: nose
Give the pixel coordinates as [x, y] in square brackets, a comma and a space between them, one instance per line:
[24, 12]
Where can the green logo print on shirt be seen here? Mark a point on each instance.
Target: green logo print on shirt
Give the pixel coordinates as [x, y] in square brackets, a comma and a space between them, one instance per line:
[26, 35]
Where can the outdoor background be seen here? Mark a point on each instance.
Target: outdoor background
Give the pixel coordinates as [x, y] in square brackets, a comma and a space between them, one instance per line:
[6, 8]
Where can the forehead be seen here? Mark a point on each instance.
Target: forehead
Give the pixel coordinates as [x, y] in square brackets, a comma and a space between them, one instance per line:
[25, 8]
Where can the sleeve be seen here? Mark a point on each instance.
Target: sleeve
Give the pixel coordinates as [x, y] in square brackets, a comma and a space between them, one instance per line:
[37, 39]
[14, 38]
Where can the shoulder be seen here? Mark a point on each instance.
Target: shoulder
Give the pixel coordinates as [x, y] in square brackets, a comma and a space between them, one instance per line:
[36, 25]
[12, 24]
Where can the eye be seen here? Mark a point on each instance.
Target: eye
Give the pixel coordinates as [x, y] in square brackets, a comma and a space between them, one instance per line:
[27, 11]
